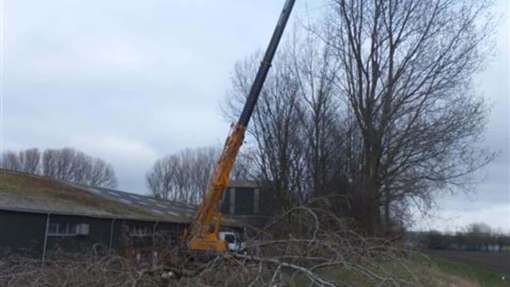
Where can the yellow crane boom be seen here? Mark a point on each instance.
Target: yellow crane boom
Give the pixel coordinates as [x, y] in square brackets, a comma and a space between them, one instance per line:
[206, 226]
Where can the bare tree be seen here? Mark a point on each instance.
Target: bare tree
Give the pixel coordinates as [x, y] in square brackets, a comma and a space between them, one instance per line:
[406, 69]
[66, 164]
[24, 161]
[30, 160]
[275, 132]
[478, 228]
[10, 160]
[303, 140]
[100, 173]
[74, 166]
[182, 176]
[324, 131]
[160, 178]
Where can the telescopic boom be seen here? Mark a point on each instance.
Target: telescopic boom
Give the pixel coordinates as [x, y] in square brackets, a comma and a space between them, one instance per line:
[206, 226]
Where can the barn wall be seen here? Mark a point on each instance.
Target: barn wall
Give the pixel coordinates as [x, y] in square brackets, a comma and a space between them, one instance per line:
[98, 237]
[21, 233]
[253, 206]
[269, 203]
[243, 202]
[225, 202]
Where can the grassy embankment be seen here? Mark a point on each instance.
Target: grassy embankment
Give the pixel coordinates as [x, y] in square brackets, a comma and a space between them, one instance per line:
[480, 275]
[421, 271]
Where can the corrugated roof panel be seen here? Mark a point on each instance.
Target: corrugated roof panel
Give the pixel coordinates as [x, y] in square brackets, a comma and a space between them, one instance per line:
[157, 211]
[126, 201]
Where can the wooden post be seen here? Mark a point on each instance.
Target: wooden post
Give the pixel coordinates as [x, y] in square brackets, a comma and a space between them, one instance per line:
[110, 245]
[45, 243]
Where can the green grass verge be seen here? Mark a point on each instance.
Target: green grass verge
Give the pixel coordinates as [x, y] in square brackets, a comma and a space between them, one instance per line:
[419, 270]
[477, 274]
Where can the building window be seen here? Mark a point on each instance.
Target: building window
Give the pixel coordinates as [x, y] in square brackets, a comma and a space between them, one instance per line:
[140, 231]
[67, 229]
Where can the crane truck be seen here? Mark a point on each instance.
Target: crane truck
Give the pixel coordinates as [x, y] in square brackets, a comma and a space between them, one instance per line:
[205, 229]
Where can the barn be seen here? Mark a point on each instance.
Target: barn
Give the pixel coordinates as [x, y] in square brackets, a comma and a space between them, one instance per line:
[41, 216]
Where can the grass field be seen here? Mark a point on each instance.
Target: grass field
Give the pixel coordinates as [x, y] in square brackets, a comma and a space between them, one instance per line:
[486, 269]
[498, 262]
[482, 277]
[423, 270]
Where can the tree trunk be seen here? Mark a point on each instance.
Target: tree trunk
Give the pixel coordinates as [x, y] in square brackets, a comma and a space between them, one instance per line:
[372, 190]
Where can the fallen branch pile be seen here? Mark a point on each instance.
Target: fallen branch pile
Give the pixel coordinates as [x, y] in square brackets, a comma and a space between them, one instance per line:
[305, 247]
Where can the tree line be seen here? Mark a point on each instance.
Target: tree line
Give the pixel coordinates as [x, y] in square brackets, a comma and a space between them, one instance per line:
[183, 176]
[66, 164]
[474, 237]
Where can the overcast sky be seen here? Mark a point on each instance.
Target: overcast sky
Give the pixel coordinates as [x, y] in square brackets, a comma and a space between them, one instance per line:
[131, 81]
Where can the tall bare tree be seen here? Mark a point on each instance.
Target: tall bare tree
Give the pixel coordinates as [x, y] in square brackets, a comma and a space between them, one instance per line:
[315, 71]
[275, 132]
[406, 70]
[303, 139]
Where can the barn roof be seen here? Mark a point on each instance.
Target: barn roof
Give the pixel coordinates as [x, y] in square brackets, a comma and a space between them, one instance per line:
[164, 208]
[37, 194]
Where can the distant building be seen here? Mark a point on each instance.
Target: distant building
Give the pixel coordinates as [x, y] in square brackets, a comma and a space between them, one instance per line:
[250, 202]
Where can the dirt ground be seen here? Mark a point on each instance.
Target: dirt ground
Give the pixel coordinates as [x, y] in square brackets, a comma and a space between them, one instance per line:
[496, 262]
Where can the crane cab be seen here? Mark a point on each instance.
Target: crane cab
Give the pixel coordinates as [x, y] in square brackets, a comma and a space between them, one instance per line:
[233, 240]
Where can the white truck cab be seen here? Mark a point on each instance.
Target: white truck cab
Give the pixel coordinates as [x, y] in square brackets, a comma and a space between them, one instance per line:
[233, 239]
